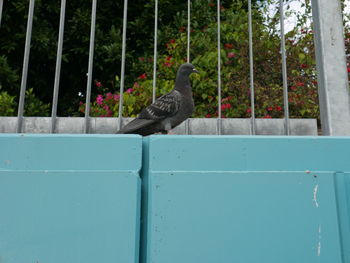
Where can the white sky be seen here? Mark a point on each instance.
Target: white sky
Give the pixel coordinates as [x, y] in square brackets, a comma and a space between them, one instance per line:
[296, 5]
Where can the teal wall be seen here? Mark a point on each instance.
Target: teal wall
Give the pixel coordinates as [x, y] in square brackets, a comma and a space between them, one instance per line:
[80, 198]
[246, 199]
[69, 199]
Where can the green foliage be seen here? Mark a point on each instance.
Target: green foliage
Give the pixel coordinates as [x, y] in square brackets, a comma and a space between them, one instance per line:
[7, 104]
[303, 100]
[33, 106]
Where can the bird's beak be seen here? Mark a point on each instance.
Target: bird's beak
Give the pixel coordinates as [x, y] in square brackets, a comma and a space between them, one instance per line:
[196, 71]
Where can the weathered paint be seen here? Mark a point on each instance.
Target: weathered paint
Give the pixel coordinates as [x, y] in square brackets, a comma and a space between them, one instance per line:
[66, 198]
[245, 199]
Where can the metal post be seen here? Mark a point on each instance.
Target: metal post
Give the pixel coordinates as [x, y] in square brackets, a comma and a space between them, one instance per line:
[123, 64]
[331, 67]
[91, 58]
[58, 66]
[188, 29]
[25, 66]
[155, 50]
[284, 73]
[187, 123]
[1, 4]
[251, 66]
[218, 127]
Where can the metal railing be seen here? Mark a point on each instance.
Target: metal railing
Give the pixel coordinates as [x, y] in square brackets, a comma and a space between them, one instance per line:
[330, 58]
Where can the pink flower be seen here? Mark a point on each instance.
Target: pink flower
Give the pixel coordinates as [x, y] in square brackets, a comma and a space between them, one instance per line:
[116, 97]
[208, 115]
[167, 64]
[269, 108]
[98, 84]
[105, 107]
[129, 90]
[81, 103]
[231, 55]
[99, 99]
[136, 85]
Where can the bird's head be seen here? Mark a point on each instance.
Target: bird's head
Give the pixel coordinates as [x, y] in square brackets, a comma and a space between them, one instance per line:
[187, 69]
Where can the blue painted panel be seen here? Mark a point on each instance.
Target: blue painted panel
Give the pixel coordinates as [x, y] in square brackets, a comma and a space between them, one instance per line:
[243, 199]
[82, 215]
[342, 181]
[70, 152]
[249, 153]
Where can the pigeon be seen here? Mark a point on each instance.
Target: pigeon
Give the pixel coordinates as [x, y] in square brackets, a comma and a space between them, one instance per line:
[169, 110]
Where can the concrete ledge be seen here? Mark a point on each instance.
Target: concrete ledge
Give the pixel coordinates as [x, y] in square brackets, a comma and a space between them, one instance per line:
[198, 126]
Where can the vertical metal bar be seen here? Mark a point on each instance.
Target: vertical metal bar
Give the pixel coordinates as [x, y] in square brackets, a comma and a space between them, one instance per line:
[155, 50]
[25, 66]
[251, 65]
[284, 73]
[331, 67]
[187, 123]
[123, 65]
[90, 67]
[58, 66]
[188, 29]
[218, 126]
[1, 4]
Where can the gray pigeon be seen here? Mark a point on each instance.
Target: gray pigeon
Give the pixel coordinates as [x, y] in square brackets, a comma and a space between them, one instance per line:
[167, 111]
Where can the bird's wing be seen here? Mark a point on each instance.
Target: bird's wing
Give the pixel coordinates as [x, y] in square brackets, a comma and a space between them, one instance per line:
[135, 125]
[164, 107]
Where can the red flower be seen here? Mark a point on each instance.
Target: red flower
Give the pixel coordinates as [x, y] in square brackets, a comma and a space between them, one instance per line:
[300, 84]
[267, 117]
[269, 108]
[143, 76]
[228, 46]
[278, 108]
[172, 41]
[348, 70]
[315, 82]
[249, 110]
[293, 88]
[141, 58]
[98, 84]
[303, 66]
[169, 58]
[225, 106]
[211, 4]
[208, 115]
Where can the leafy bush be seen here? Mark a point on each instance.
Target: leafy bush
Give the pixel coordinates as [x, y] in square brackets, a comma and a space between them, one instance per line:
[303, 100]
[32, 107]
